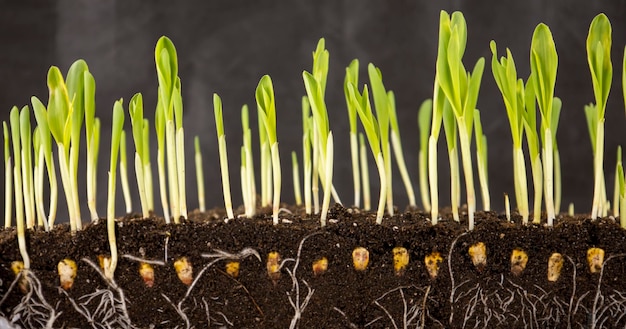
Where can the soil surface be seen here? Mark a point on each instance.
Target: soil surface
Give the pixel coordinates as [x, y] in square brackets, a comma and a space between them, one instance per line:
[461, 296]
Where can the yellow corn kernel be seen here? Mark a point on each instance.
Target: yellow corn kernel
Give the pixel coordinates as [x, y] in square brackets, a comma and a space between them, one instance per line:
[18, 267]
[232, 268]
[67, 273]
[595, 259]
[360, 258]
[103, 261]
[146, 271]
[478, 254]
[432, 262]
[555, 264]
[400, 260]
[273, 266]
[184, 270]
[519, 259]
[320, 266]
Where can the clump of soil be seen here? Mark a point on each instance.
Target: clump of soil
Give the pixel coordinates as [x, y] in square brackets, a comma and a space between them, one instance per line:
[461, 296]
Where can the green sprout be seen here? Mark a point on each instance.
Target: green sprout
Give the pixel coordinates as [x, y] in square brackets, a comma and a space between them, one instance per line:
[46, 144]
[267, 115]
[532, 139]
[622, 195]
[352, 76]
[543, 67]
[307, 123]
[38, 163]
[556, 113]
[266, 164]
[512, 90]
[435, 129]
[92, 135]
[27, 166]
[14, 119]
[221, 137]
[599, 59]
[397, 149]
[616, 186]
[140, 130]
[365, 178]
[8, 181]
[116, 136]
[461, 89]
[481, 161]
[199, 174]
[124, 174]
[296, 178]
[248, 186]
[424, 115]
[451, 132]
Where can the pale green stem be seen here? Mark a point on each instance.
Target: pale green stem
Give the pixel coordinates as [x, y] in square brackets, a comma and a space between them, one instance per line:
[200, 180]
[251, 183]
[432, 179]
[141, 186]
[455, 183]
[365, 176]
[91, 192]
[65, 179]
[380, 164]
[41, 212]
[228, 204]
[19, 218]
[467, 172]
[109, 270]
[622, 211]
[8, 192]
[328, 178]
[388, 173]
[172, 171]
[147, 174]
[180, 165]
[306, 156]
[54, 193]
[557, 183]
[423, 172]
[354, 155]
[244, 189]
[265, 179]
[507, 207]
[483, 180]
[521, 191]
[616, 199]
[124, 175]
[29, 202]
[397, 151]
[277, 182]
[597, 165]
[315, 178]
[73, 170]
[295, 170]
[537, 173]
[570, 209]
[162, 185]
[548, 172]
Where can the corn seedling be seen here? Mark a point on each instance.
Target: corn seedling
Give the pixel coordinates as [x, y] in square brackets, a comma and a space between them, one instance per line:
[599, 59]
[307, 123]
[248, 187]
[27, 166]
[543, 67]
[481, 161]
[17, 178]
[92, 140]
[140, 130]
[8, 178]
[38, 163]
[616, 184]
[266, 162]
[556, 113]
[296, 178]
[124, 174]
[267, 116]
[461, 90]
[352, 77]
[512, 90]
[199, 174]
[507, 207]
[424, 115]
[532, 139]
[315, 85]
[451, 132]
[221, 137]
[116, 135]
[365, 178]
[397, 149]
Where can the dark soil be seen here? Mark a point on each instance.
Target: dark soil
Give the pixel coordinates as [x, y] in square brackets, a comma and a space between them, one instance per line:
[460, 297]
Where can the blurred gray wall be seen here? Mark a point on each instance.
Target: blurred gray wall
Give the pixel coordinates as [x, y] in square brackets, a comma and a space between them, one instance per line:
[225, 47]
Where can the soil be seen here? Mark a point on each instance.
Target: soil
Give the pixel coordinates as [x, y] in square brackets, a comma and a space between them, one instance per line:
[461, 296]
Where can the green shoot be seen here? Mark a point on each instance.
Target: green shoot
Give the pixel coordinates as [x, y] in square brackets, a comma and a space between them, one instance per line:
[8, 181]
[570, 209]
[248, 186]
[543, 67]
[199, 174]
[19, 192]
[352, 76]
[124, 174]
[451, 132]
[92, 135]
[599, 59]
[116, 136]
[142, 157]
[372, 130]
[267, 115]
[266, 164]
[221, 137]
[46, 144]
[307, 123]
[147, 166]
[616, 187]
[424, 115]
[296, 178]
[397, 149]
[507, 207]
[180, 149]
[512, 90]
[38, 163]
[532, 139]
[27, 167]
[461, 89]
[481, 161]
[159, 124]
[365, 176]
[556, 113]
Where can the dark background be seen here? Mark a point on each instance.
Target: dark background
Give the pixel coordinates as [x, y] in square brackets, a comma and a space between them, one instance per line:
[226, 46]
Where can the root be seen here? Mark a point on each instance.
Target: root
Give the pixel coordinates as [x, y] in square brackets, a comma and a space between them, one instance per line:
[611, 307]
[414, 311]
[33, 311]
